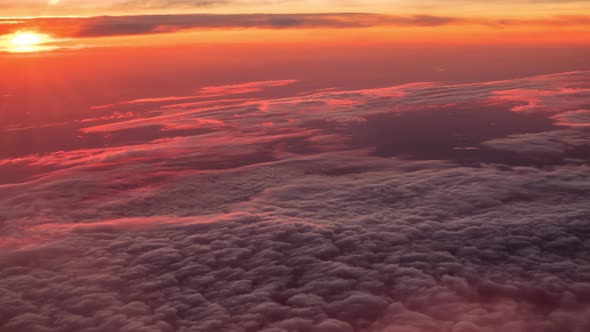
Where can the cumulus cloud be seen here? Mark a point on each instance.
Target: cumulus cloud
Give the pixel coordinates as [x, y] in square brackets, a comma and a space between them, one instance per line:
[282, 219]
[402, 246]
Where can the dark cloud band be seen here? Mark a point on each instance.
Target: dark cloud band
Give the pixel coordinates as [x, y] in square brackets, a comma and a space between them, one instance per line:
[102, 26]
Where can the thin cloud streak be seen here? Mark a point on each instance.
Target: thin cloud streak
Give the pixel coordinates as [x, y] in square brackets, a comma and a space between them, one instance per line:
[214, 91]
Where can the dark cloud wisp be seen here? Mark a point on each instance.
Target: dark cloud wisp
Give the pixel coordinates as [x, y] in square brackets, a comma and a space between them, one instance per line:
[102, 26]
[150, 24]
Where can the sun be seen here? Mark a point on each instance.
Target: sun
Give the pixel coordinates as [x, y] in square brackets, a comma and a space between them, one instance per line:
[26, 39]
[26, 42]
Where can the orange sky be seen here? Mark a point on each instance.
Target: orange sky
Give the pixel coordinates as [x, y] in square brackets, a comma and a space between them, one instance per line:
[76, 24]
[76, 60]
[80, 34]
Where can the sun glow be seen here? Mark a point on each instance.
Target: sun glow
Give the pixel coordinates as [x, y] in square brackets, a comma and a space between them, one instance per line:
[25, 42]
[25, 39]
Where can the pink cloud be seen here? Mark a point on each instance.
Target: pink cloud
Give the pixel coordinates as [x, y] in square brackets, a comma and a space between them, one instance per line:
[242, 126]
[244, 87]
[578, 118]
[207, 92]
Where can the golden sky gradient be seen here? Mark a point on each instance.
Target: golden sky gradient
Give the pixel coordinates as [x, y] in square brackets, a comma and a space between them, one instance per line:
[76, 24]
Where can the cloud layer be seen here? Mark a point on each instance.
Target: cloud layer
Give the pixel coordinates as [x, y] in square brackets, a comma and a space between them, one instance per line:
[388, 246]
[327, 211]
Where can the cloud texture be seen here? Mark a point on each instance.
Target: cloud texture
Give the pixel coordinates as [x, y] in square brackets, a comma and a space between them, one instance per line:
[302, 214]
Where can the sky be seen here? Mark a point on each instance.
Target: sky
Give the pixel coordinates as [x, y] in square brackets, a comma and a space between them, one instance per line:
[77, 23]
[294, 166]
[85, 7]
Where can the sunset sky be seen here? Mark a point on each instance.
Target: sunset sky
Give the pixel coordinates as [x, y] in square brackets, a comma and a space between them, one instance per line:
[71, 23]
[49, 47]
[294, 166]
